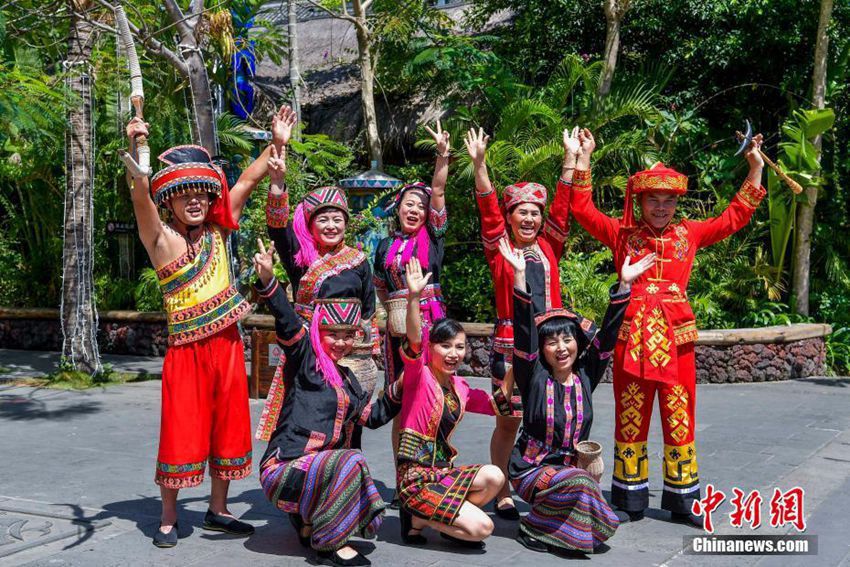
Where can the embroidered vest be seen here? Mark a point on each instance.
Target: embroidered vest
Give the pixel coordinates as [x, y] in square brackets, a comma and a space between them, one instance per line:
[199, 297]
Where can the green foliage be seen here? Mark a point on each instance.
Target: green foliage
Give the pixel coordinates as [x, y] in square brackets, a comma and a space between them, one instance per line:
[468, 286]
[586, 279]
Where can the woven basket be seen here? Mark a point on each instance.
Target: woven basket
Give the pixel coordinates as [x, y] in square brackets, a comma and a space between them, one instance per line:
[396, 316]
[590, 459]
[360, 362]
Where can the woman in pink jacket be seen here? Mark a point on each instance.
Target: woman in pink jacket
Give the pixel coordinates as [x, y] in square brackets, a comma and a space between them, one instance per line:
[432, 491]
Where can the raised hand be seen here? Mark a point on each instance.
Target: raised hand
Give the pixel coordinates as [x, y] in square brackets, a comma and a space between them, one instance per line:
[630, 272]
[264, 262]
[137, 127]
[753, 155]
[476, 145]
[441, 139]
[588, 143]
[572, 144]
[282, 124]
[416, 282]
[514, 257]
[277, 165]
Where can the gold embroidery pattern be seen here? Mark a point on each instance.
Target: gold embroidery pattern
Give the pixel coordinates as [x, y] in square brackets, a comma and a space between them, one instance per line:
[631, 463]
[634, 338]
[751, 195]
[658, 344]
[652, 289]
[581, 180]
[680, 244]
[678, 420]
[678, 183]
[631, 418]
[680, 465]
[686, 333]
[636, 245]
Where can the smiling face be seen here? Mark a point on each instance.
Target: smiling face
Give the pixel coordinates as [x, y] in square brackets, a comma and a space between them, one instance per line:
[447, 355]
[658, 208]
[412, 211]
[525, 221]
[560, 352]
[190, 208]
[328, 227]
[337, 343]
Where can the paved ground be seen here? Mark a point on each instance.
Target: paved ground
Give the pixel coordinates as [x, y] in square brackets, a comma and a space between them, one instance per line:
[76, 481]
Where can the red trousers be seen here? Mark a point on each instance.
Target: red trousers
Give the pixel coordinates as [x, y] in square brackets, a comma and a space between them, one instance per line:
[634, 398]
[205, 412]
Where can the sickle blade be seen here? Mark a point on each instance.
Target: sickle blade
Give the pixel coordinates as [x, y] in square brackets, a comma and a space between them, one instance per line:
[745, 141]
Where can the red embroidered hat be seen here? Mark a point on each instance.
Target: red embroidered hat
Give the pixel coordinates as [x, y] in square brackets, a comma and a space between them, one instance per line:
[337, 314]
[190, 169]
[524, 192]
[659, 178]
[323, 198]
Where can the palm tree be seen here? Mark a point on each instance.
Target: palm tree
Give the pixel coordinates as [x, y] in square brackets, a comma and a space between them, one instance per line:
[79, 317]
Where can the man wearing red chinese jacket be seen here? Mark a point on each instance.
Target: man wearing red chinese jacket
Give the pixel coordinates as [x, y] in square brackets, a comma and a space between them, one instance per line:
[655, 345]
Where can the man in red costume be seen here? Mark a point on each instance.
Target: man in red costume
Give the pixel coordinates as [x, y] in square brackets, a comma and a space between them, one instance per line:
[655, 345]
[205, 414]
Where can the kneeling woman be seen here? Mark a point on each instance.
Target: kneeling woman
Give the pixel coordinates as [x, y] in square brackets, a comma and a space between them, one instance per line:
[432, 491]
[559, 359]
[309, 469]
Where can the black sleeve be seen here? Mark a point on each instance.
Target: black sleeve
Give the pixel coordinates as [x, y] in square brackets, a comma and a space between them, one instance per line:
[599, 351]
[288, 325]
[368, 290]
[379, 277]
[384, 409]
[525, 340]
[287, 247]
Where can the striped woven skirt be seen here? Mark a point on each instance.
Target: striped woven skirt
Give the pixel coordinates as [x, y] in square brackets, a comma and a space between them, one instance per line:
[567, 508]
[332, 490]
[434, 493]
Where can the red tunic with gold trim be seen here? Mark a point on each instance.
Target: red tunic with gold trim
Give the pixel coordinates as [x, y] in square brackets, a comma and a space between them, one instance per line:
[655, 346]
[542, 259]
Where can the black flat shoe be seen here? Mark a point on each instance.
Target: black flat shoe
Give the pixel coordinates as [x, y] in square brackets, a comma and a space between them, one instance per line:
[161, 539]
[530, 543]
[298, 523]
[332, 558]
[406, 525]
[506, 513]
[463, 542]
[395, 503]
[226, 524]
[688, 519]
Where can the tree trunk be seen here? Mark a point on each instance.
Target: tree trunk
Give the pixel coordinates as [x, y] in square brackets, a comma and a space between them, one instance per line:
[294, 70]
[806, 210]
[78, 313]
[367, 86]
[203, 126]
[614, 12]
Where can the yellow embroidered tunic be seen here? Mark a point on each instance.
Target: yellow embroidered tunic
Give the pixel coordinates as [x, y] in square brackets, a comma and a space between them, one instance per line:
[200, 299]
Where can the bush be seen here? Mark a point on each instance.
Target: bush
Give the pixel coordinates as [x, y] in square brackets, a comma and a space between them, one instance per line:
[468, 286]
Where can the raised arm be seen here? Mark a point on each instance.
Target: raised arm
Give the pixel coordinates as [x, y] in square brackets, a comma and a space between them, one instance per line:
[441, 168]
[600, 226]
[739, 212]
[525, 332]
[557, 226]
[416, 282]
[492, 218]
[282, 124]
[277, 213]
[151, 230]
[289, 328]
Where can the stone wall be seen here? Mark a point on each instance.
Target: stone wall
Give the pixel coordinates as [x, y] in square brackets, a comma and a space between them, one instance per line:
[785, 358]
